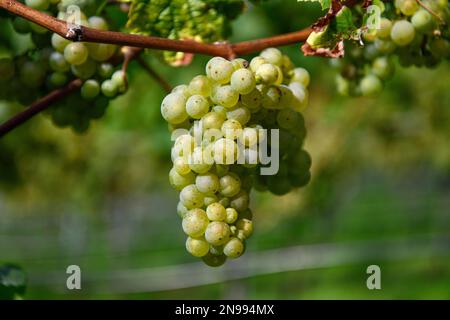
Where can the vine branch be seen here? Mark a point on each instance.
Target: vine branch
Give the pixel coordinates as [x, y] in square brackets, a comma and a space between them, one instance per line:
[162, 82]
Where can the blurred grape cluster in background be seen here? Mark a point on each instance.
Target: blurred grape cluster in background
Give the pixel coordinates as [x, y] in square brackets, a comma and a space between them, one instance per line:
[379, 194]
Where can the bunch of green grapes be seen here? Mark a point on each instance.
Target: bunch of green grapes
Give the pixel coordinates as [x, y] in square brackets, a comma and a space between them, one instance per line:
[52, 61]
[218, 121]
[407, 30]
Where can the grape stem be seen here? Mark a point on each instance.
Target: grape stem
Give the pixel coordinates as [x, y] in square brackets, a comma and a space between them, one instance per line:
[423, 5]
[162, 82]
[86, 34]
[39, 106]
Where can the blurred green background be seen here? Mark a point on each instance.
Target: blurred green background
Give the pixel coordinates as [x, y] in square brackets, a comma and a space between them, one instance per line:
[379, 194]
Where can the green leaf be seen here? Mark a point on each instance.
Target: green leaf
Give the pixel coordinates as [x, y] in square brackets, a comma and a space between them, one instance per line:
[324, 3]
[200, 20]
[344, 21]
[12, 282]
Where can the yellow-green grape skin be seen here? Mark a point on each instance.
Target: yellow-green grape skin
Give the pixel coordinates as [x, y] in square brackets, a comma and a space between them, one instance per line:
[197, 106]
[252, 100]
[200, 85]
[173, 108]
[217, 233]
[221, 169]
[182, 89]
[101, 51]
[59, 43]
[422, 21]
[198, 247]
[239, 63]
[109, 88]
[240, 201]
[370, 85]
[178, 181]
[85, 70]
[402, 32]
[212, 120]
[213, 260]
[267, 73]
[98, 23]
[249, 136]
[280, 78]
[230, 185]
[181, 210]
[245, 226]
[231, 129]
[191, 197]
[58, 63]
[209, 199]
[219, 70]
[300, 100]
[243, 81]
[225, 96]
[239, 113]
[301, 75]
[225, 151]
[207, 183]
[195, 223]
[199, 161]
[273, 56]
[408, 7]
[216, 212]
[181, 166]
[76, 53]
[234, 248]
[384, 30]
[256, 62]
[287, 119]
[232, 215]
[220, 110]
[287, 65]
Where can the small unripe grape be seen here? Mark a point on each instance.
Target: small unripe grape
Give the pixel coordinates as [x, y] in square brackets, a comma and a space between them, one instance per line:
[105, 70]
[287, 119]
[76, 53]
[252, 100]
[231, 129]
[408, 7]
[225, 151]
[178, 181]
[21, 25]
[200, 85]
[191, 197]
[181, 210]
[249, 136]
[300, 75]
[213, 260]
[200, 161]
[300, 94]
[385, 28]
[273, 56]
[225, 96]
[232, 215]
[207, 183]
[181, 166]
[59, 43]
[267, 73]
[98, 23]
[173, 108]
[58, 63]
[217, 233]
[382, 67]
[246, 226]
[256, 62]
[182, 89]
[370, 85]
[57, 79]
[422, 21]
[402, 32]
[197, 106]
[109, 88]
[240, 201]
[198, 247]
[85, 70]
[243, 81]
[216, 212]
[219, 70]
[233, 248]
[195, 223]
[90, 89]
[32, 74]
[239, 113]
[230, 185]
[212, 120]
[101, 51]
[240, 63]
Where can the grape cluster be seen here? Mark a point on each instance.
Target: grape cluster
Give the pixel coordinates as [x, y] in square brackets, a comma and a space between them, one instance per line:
[407, 30]
[218, 120]
[51, 61]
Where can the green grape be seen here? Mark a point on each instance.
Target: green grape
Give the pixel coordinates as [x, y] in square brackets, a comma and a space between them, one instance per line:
[225, 96]
[182, 89]
[120, 79]
[57, 79]
[231, 129]
[243, 81]
[382, 67]
[216, 212]
[209, 199]
[384, 46]
[219, 70]
[90, 89]
[195, 223]
[59, 43]
[198, 247]
[38, 4]
[212, 120]
[217, 233]
[267, 73]
[105, 70]
[240, 201]
[408, 7]
[99, 23]
[246, 214]
[440, 48]
[21, 25]
[288, 119]
[200, 161]
[32, 74]
[230, 185]
[173, 108]
[239, 113]
[245, 226]
[200, 85]
[58, 63]
[234, 248]
[402, 32]
[422, 21]
[278, 184]
[231, 215]
[256, 62]
[191, 197]
[7, 69]
[101, 51]
[370, 85]
[109, 88]
[300, 94]
[252, 100]
[178, 181]
[249, 136]
[239, 63]
[76, 53]
[207, 183]
[85, 70]
[301, 76]
[99, 108]
[384, 31]
[197, 106]
[273, 56]
[181, 166]
[213, 260]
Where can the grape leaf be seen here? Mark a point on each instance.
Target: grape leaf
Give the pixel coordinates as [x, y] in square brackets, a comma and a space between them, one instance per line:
[199, 20]
[324, 3]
